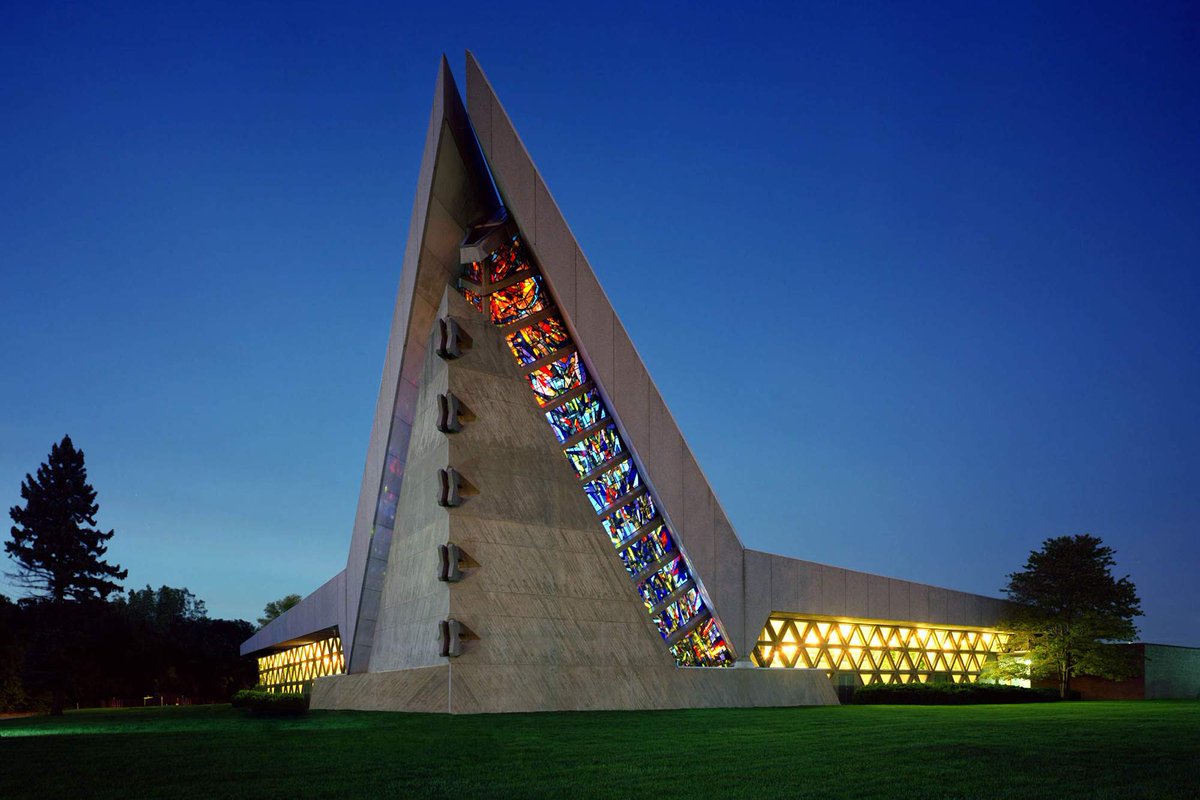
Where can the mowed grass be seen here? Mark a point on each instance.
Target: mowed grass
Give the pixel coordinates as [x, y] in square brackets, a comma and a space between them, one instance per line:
[1058, 750]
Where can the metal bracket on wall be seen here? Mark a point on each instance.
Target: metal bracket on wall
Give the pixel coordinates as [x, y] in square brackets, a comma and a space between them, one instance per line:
[450, 569]
[449, 636]
[453, 488]
[452, 339]
[450, 413]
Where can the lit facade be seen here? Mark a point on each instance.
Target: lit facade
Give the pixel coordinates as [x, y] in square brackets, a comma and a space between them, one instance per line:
[295, 668]
[877, 651]
[533, 531]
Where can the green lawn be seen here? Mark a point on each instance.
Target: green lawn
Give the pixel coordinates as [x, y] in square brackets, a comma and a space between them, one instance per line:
[1056, 750]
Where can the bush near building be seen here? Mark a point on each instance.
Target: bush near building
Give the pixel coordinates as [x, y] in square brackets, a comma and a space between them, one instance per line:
[950, 694]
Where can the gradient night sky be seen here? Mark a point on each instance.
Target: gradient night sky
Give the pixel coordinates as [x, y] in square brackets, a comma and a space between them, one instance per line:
[921, 291]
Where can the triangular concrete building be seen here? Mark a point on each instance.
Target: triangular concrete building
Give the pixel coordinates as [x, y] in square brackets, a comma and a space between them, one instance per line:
[533, 532]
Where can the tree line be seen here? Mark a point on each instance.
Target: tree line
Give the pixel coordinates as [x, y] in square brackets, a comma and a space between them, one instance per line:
[77, 638]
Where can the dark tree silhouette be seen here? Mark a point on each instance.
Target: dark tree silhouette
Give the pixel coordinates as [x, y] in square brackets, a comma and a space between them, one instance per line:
[60, 558]
[59, 552]
[1069, 611]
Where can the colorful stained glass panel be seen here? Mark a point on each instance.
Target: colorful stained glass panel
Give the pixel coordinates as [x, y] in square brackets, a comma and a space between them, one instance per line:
[629, 518]
[576, 415]
[661, 584]
[557, 377]
[517, 301]
[612, 485]
[507, 259]
[595, 449]
[538, 340]
[679, 613]
[646, 550]
[703, 647]
[473, 299]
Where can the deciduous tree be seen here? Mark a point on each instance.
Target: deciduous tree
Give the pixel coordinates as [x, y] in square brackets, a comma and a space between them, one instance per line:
[1070, 612]
[276, 608]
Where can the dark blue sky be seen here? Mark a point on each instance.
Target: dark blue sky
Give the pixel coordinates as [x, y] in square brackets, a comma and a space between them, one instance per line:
[921, 288]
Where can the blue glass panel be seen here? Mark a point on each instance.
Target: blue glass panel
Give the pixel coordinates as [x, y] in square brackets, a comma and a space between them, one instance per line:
[679, 613]
[612, 485]
[703, 647]
[594, 449]
[646, 550]
[661, 584]
[576, 415]
[626, 520]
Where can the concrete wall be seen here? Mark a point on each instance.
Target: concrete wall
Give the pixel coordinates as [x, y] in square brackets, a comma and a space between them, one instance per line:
[471, 689]
[702, 528]
[320, 610]
[1172, 672]
[789, 585]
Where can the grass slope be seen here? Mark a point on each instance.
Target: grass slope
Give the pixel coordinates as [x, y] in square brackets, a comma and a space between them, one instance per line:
[1059, 750]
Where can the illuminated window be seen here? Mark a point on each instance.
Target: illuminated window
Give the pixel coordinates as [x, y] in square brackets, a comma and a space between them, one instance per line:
[663, 583]
[878, 651]
[473, 299]
[629, 518]
[576, 415]
[557, 377]
[594, 449]
[704, 646]
[517, 301]
[506, 260]
[538, 340]
[612, 485]
[389, 492]
[294, 669]
[646, 550]
[679, 613]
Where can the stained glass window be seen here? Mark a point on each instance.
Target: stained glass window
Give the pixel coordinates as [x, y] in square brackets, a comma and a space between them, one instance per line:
[517, 301]
[597, 452]
[629, 518]
[507, 259]
[593, 450]
[389, 492]
[704, 646]
[473, 299]
[576, 415]
[612, 485]
[557, 377]
[646, 550]
[679, 613]
[538, 340]
[662, 583]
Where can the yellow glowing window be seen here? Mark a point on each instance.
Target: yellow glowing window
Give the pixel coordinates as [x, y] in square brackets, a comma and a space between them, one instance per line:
[294, 669]
[876, 651]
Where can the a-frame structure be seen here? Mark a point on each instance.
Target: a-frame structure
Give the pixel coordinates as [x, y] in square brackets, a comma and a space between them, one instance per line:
[533, 531]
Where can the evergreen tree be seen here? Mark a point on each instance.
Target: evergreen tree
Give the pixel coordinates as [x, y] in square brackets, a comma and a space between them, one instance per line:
[1070, 611]
[59, 552]
[60, 558]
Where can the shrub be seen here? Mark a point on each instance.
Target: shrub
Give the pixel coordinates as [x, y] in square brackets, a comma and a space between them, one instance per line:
[262, 703]
[950, 694]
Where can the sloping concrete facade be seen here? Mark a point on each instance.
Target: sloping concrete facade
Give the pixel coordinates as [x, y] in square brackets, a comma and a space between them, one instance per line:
[387, 603]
